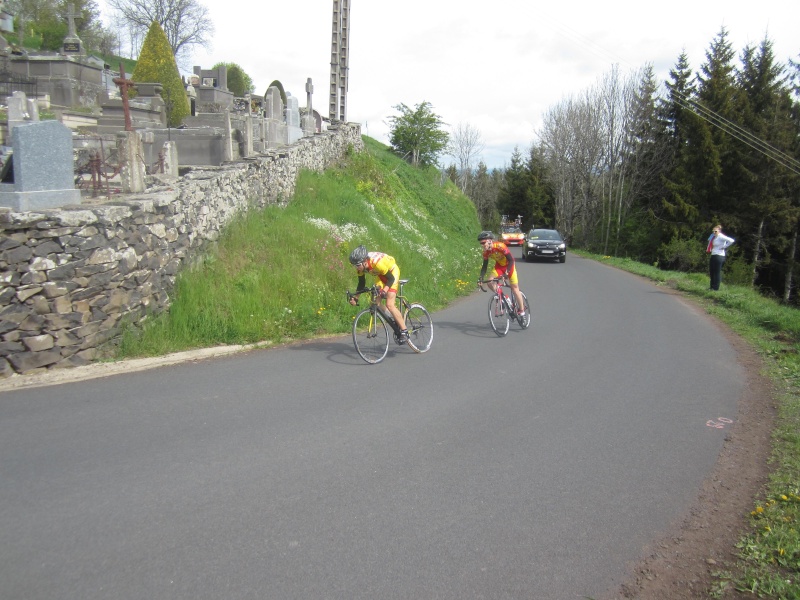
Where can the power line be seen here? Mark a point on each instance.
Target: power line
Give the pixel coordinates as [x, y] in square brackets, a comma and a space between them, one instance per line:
[715, 119]
[738, 132]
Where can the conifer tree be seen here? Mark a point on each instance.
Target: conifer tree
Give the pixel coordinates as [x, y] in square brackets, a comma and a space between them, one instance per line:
[647, 160]
[716, 152]
[541, 206]
[768, 210]
[512, 197]
[157, 64]
[483, 193]
[678, 208]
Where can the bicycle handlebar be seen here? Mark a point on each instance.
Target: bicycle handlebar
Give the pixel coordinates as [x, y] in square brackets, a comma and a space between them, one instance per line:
[502, 280]
[372, 290]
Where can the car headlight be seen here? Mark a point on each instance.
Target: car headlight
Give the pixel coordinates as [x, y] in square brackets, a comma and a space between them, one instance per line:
[562, 246]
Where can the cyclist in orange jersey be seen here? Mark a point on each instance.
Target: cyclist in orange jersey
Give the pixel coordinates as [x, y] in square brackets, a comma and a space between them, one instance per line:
[387, 275]
[503, 265]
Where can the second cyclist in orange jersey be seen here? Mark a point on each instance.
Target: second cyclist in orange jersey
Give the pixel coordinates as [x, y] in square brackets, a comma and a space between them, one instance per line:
[503, 265]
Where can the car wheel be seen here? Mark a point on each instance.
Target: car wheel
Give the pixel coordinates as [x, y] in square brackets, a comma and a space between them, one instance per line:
[563, 259]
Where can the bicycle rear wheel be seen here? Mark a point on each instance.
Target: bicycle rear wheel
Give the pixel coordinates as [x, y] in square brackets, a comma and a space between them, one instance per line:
[498, 316]
[525, 321]
[420, 328]
[370, 336]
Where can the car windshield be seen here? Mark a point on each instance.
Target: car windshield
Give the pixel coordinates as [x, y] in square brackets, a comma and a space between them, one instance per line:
[512, 230]
[544, 234]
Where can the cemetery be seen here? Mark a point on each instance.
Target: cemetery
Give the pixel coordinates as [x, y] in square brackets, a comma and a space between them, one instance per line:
[101, 207]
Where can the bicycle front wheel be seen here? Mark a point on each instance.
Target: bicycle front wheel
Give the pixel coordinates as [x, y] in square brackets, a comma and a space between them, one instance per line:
[420, 328]
[370, 336]
[498, 316]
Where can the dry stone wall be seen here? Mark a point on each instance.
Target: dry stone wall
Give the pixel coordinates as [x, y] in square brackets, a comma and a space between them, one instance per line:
[72, 276]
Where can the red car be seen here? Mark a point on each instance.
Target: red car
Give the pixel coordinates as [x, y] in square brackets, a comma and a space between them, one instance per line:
[511, 235]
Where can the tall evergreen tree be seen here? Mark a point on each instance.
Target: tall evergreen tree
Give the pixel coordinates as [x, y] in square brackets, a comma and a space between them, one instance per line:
[156, 64]
[768, 212]
[483, 193]
[718, 156]
[678, 210]
[541, 206]
[512, 198]
[647, 160]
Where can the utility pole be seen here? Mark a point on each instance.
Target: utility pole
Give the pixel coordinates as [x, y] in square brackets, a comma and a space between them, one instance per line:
[340, 40]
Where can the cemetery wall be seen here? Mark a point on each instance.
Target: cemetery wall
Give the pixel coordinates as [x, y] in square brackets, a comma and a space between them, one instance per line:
[70, 277]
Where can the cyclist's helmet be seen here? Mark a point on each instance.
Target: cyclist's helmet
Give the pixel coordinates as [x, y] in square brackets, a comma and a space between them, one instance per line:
[358, 255]
[485, 235]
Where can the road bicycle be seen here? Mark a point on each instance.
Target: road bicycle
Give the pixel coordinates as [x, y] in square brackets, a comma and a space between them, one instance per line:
[503, 307]
[371, 335]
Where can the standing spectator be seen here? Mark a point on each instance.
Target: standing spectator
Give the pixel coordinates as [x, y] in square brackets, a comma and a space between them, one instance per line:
[717, 243]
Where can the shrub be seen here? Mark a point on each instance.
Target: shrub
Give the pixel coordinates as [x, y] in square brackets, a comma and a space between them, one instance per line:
[682, 255]
[157, 64]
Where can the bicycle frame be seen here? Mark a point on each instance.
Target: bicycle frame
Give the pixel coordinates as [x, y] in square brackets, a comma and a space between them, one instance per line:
[376, 305]
[369, 336]
[508, 300]
[503, 306]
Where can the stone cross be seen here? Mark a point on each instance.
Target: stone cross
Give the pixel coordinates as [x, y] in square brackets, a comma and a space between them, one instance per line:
[71, 20]
[72, 43]
[123, 85]
[309, 92]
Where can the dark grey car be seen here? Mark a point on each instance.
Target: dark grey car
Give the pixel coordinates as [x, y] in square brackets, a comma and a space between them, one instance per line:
[544, 243]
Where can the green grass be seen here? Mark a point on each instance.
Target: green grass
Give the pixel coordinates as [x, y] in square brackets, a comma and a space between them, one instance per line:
[769, 553]
[281, 274]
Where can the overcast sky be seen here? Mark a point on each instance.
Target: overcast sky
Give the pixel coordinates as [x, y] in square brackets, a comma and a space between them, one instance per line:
[497, 65]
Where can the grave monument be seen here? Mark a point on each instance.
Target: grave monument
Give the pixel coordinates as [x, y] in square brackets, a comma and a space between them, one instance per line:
[40, 170]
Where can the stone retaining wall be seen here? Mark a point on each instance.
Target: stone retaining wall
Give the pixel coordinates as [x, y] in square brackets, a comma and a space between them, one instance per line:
[71, 276]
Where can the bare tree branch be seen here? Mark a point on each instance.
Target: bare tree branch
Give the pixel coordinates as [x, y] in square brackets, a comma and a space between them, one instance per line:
[186, 23]
[465, 147]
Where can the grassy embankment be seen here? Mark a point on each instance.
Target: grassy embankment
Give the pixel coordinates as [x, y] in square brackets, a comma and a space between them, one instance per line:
[769, 554]
[280, 274]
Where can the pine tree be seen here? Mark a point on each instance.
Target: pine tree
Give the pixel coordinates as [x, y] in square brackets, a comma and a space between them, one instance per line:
[157, 64]
[716, 153]
[483, 193]
[541, 205]
[647, 160]
[767, 208]
[512, 198]
[678, 210]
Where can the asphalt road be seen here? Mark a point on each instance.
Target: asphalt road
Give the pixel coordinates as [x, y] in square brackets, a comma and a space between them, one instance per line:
[533, 466]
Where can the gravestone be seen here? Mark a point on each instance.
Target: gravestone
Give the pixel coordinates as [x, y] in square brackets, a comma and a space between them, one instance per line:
[131, 159]
[308, 123]
[43, 170]
[293, 130]
[212, 90]
[274, 118]
[21, 110]
[191, 93]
